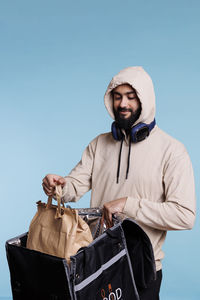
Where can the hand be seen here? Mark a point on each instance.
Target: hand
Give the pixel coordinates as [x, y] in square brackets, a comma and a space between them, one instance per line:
[50, 181]
[112, 207]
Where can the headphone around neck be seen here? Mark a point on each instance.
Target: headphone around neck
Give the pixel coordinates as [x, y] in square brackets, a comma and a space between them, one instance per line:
[138, 132]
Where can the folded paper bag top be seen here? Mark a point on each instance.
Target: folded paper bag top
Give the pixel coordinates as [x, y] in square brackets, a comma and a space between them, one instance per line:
[57, 230]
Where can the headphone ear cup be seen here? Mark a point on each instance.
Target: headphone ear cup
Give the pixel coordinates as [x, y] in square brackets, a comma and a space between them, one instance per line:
[116, 132]
[141, 131]
[132, 134]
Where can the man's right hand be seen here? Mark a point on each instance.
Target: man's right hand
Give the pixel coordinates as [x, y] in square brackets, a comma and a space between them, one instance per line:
[50, 181]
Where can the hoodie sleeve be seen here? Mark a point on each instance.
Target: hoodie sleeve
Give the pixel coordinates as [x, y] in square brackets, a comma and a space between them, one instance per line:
[177, 212]
[78, 182]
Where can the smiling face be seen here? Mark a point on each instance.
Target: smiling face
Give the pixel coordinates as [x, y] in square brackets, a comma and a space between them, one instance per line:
[126, 106]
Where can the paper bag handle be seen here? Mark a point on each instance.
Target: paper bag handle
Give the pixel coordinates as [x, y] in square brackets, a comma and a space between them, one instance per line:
[59, 210]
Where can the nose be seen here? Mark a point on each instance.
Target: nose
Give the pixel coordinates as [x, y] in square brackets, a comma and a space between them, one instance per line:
[124, 102]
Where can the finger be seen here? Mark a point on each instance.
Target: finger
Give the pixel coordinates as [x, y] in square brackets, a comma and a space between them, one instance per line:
[44, 181]
[106, 221]
[104, 216]
[50, 180]
[47, 187]
[61, 181]
[47, 182]
[110, 219]
[107, 216]
[48, 191]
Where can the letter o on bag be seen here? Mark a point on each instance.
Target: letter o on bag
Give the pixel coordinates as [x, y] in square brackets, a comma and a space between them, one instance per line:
[112, 296]
[118, 293]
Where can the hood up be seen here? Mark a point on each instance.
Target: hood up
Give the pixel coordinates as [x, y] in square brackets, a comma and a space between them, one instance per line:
[142, 83]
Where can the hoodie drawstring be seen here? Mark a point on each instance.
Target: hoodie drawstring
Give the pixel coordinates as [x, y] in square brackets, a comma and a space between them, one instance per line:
[128, 162]
[119, 159]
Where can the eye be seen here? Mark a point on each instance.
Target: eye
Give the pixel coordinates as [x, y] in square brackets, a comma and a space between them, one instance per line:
[117, 97]
[132, 97]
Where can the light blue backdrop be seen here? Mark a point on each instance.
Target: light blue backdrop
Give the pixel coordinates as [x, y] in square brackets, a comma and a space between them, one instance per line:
[56, 59]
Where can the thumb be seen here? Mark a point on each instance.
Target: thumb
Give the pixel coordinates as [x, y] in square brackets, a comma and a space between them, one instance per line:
[61, 181]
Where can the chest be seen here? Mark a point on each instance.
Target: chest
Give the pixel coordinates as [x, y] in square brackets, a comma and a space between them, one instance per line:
[145, 164]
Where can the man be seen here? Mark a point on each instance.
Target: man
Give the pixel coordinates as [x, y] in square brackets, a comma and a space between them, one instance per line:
[136, 169]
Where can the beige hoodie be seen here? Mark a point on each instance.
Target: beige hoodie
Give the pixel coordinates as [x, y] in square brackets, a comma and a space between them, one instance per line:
[160, 184]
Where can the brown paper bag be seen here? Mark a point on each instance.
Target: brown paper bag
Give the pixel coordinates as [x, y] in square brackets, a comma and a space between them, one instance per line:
[58, 230]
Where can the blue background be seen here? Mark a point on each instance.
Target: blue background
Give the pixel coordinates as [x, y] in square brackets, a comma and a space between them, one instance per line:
[56, 60]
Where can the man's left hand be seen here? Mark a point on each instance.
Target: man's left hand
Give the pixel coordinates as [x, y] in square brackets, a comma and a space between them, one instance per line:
[112, 207]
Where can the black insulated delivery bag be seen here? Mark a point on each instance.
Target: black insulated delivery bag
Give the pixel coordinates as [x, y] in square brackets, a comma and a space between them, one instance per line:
[118, 262]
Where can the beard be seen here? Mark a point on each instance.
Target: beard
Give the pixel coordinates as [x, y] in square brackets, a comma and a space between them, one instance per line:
[126, 123]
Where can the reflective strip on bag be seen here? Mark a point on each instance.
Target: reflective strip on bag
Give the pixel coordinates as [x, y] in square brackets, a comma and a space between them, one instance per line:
[94, 276]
